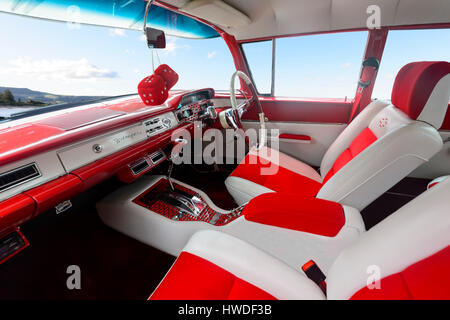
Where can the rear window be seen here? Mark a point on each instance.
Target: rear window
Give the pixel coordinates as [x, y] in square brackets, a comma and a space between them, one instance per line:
[405, 46]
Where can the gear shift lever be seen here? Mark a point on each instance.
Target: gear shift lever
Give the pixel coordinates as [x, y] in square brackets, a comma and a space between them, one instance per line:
[176, 150]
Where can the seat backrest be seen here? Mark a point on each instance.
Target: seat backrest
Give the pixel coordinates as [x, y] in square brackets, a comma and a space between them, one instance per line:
[387, 141]
[406, 256]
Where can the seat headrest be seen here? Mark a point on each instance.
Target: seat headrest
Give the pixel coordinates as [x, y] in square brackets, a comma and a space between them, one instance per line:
[422, 91]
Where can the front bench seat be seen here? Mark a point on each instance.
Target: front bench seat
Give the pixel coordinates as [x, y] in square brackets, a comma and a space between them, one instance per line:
[409, 251]
[381, 146]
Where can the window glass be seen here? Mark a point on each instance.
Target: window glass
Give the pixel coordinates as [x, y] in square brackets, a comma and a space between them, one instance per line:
[259, 58]
[405, 46]
[55, 60]
[319, 66]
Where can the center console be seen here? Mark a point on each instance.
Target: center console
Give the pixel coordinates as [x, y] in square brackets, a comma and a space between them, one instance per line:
[165, 215]
[180, 203]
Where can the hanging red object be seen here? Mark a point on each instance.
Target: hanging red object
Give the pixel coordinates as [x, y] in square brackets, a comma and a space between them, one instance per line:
[168, 74]
[153, 90]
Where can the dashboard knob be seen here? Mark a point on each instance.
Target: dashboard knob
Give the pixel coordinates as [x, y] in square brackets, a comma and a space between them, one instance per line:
[167, 123]
[97, 148]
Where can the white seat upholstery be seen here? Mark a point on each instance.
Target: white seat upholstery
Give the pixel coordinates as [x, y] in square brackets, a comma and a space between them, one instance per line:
[406, 256]
[382, 145]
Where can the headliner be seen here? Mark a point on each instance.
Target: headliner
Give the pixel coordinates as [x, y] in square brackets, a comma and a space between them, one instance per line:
[284, 17]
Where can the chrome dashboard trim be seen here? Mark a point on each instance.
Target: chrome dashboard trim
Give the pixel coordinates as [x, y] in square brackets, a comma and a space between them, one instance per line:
[22, 181]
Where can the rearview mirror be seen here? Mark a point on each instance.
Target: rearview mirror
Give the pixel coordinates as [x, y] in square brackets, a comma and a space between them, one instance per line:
[156, 39]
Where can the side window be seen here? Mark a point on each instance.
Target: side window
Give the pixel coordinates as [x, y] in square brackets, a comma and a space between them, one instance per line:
[314, 66]
[405, 46]
[259, 58]
[319, 66]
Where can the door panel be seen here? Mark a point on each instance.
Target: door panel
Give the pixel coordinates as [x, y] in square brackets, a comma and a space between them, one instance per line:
[317, 111]
[307, 128]
[322, 136]
[439, 165]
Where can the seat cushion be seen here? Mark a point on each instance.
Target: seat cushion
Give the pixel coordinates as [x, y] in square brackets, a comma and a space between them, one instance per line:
[190, 278]
[283, 180]
[214, 265]
[272, 171]
[424, 280]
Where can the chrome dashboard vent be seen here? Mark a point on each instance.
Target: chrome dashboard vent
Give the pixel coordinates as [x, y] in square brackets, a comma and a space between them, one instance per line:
[139, 166]
[17, 176]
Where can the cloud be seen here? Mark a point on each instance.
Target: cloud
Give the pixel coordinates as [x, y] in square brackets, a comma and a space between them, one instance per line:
[171, 46]
[60, 69]
[117, 32]
[346, 65]
[212, 54]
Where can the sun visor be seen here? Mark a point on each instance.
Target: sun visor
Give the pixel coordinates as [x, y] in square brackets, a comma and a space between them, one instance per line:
[217, 12]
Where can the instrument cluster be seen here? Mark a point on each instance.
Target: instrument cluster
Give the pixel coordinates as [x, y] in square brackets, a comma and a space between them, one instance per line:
[196, 106]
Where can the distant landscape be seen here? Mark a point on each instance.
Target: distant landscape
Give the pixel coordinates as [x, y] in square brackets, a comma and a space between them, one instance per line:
[27, 97]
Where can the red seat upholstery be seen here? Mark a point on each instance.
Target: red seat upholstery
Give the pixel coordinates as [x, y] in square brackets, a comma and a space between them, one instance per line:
[361, 142]
[406, 256]
[284, 180]
[306, 214]
[425, 279]
[179, 283]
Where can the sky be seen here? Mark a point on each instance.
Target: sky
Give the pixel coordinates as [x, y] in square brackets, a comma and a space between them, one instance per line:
[55, 57]
[59, 58]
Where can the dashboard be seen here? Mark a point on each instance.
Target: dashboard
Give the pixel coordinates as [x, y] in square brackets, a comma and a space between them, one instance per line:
[48, 159]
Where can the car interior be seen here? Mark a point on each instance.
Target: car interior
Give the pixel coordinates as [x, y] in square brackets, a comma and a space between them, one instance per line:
[302, 198]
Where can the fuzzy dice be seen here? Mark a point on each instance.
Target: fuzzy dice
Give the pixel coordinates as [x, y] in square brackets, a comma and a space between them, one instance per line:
[168, 74]
[153, 90]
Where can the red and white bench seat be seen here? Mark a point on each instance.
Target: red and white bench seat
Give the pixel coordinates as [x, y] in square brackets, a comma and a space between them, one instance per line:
[408, 255]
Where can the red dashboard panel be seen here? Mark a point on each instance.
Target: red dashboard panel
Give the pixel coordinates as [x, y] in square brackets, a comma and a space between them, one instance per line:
[36, 137]
[51, 193]
[80, 118]
[130, 105]
[16, 210]
[24, 135]
[41, 138]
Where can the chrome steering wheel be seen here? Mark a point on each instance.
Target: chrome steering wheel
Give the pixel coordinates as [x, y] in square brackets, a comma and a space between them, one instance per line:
[231, 118]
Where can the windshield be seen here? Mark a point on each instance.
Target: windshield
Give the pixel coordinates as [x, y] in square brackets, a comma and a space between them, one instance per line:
[127, 14]
[64, 65]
